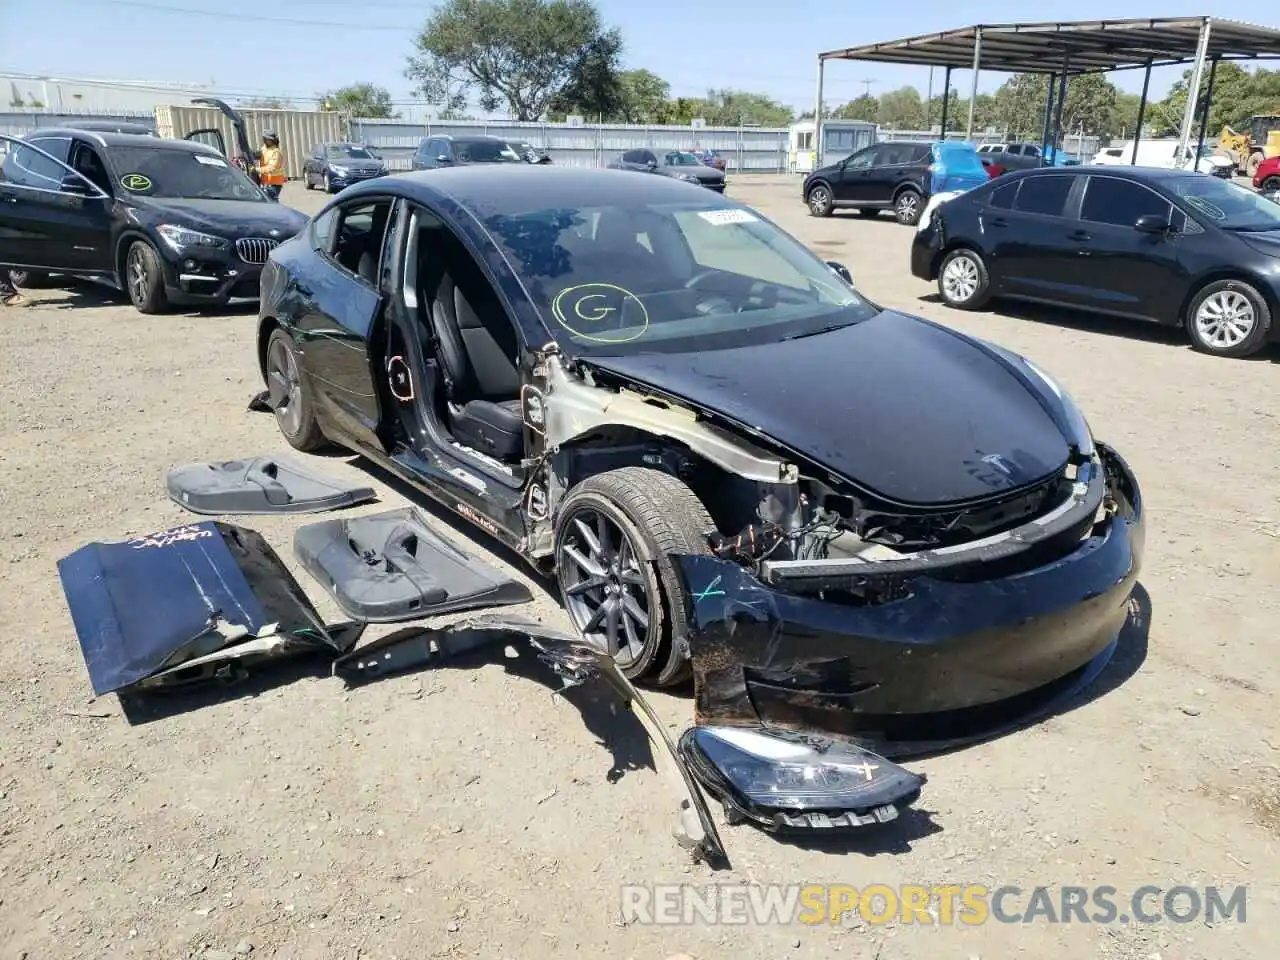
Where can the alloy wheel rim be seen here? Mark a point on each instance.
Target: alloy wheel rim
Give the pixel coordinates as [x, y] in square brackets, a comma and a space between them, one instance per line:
[138, 285]
[1225, 319]
[818, 199]
[907, 204]
[604, 589]
[960, 279]
[284, 388]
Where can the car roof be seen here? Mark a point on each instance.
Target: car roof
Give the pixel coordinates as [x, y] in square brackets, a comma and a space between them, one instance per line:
[488, 189]
[109, 140]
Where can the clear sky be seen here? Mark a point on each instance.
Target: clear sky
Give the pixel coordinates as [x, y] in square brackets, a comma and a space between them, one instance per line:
[297, 48]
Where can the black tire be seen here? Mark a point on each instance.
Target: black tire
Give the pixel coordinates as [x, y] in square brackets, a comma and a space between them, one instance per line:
[963, 280]
[869, 212]
[820, 200]
[1271, 183]
[295, 416]
[144, 278]
[907, 207]
[658, 515]
[1224, 299]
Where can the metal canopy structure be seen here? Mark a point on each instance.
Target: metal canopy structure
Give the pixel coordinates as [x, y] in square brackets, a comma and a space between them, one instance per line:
[1092, 46]
[1073, 48]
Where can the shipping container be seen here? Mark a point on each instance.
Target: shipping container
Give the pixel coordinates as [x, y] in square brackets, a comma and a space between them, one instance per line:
[299, 130]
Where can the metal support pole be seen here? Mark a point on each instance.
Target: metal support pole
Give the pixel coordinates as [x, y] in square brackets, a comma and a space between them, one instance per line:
[1204, 117]
[973, 86]
[946, 101]
[1142, 110]
[1062, 99]
[817, 118]
[928, 103]
[1048, 122]
[1193, 89]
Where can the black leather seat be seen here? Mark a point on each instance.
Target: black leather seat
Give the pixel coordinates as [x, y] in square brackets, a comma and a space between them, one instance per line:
[477, 352]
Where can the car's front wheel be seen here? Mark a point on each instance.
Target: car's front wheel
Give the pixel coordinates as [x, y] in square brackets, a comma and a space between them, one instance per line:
[820, 201]
[144, 278]
[1228, 318]
[615, 533]
[908, 207]
[963, 281]
[290, 396]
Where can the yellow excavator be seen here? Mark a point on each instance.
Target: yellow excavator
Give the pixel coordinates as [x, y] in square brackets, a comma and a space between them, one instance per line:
[1246, 149]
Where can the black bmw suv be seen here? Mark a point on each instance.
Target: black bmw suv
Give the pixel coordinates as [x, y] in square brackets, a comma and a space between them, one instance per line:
[168, 221]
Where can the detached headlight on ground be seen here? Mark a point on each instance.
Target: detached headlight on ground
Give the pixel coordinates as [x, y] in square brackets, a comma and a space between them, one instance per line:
[180, 238]
[790, 781]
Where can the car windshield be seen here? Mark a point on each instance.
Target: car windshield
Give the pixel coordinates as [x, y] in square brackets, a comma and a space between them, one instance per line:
[669, 278]
[682, 159]
[348, 151]
[1226, 204]
[486, 151]
[180, 175]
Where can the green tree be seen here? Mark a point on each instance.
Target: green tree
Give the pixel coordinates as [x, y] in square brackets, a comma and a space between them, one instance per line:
[523, 53]
[360, 100]
[866, 107]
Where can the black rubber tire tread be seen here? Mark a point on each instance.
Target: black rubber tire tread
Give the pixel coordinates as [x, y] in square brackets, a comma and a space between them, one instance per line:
[311, 438]
[156, 301]
[982, 296]
[668, 518]
[1256, 340]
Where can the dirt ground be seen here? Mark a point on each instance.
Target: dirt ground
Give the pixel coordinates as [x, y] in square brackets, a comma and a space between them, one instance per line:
[468, 813]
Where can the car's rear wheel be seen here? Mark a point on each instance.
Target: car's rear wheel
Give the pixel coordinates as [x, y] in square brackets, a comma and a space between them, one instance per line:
[290, 396]
[820, 201]
[144, 278]
[963, 281]
[1271, 183]
[907, 208]
[1228, 318]
[614, 536]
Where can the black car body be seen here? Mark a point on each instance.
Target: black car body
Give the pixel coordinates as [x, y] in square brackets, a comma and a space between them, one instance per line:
[168, 221]
[679, 164]
[333, 166]
[897, 175]
[443, 150]
[1169, 246]
[645, 388]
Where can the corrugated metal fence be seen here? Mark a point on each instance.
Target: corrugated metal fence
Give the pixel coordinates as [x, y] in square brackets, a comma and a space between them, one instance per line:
[745, 149]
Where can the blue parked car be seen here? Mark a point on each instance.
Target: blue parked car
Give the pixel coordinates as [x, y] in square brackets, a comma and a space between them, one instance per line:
[897, 175]
[333, 166]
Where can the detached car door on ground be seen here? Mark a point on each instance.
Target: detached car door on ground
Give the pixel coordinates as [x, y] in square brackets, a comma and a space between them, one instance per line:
[52, 218]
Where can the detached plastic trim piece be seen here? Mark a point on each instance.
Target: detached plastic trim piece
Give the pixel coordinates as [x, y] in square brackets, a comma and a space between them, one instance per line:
[261, 485]
[392, 566]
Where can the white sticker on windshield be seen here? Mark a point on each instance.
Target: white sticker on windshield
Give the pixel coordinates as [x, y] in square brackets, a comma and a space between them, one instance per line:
[210, 161]
[719, 218]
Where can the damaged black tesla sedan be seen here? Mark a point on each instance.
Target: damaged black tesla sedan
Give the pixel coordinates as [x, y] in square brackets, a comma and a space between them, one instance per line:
[836, 516]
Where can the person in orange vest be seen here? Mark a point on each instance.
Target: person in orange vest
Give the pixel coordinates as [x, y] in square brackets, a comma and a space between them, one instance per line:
[270, 165]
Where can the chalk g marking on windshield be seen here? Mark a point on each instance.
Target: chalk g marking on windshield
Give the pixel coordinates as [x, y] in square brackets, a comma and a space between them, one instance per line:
[594, 303]
[135, 182]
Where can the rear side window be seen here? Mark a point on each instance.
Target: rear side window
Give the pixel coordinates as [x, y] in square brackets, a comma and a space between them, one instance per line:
[1120, 202]
[1044, 195]
[1002, 197]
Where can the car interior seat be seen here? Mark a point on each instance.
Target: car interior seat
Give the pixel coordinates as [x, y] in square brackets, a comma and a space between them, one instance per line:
[476, 346]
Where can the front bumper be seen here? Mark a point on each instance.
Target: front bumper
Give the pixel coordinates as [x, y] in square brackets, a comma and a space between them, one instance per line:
[954, 658]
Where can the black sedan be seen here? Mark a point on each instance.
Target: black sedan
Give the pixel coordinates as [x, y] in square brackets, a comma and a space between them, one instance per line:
[678, 164]
[1169, 246]
[168, 221]
[645, 387]
[333, 166]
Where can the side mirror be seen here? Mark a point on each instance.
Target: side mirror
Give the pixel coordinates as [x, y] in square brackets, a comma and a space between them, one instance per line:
[1151, 223]
[73, 184]
[840, 270]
